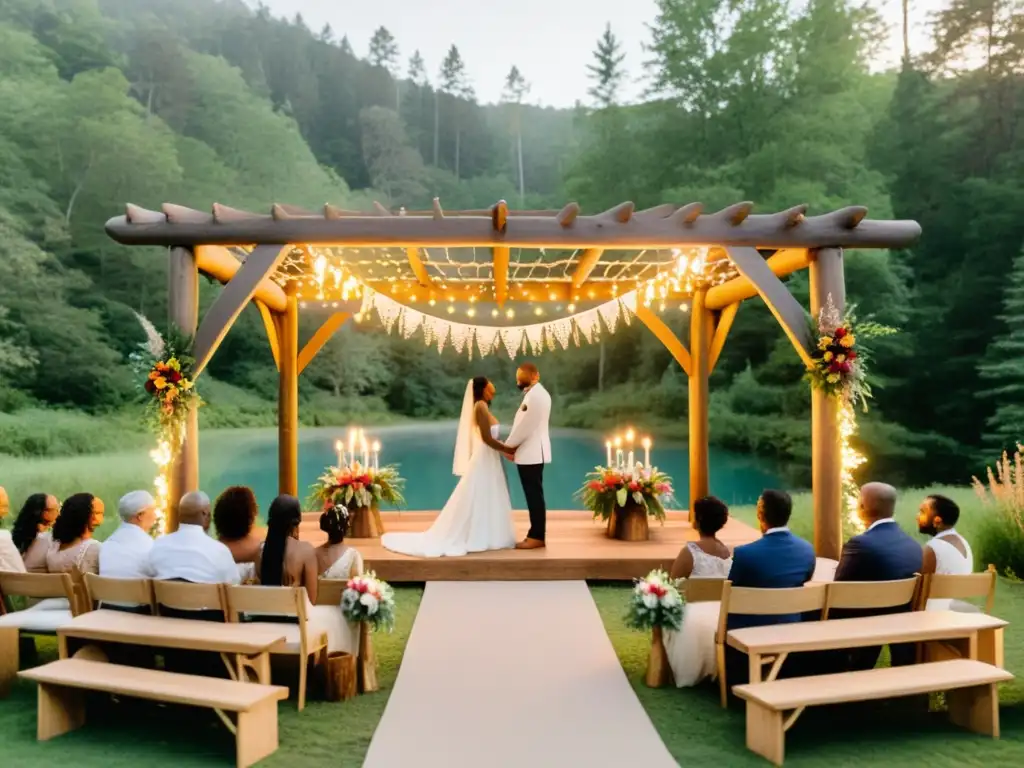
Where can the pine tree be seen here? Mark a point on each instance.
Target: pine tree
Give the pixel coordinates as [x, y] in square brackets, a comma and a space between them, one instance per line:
[515, 90]
[384, 54]
[607, 73]
[452, 81]
[1003, 366]
[418, 70]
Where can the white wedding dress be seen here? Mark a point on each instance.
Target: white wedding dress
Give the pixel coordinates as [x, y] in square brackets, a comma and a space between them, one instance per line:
[478, 515]
[691, 650]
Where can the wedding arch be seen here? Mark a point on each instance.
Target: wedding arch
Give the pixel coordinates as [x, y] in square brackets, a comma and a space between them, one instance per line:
[469, 278]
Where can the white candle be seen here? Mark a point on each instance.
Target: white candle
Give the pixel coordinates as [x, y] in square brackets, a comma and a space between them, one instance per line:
[340, 450]
[366, 452]
[376, 456]
[647, 452]
[352, 446]
[608, 450]
[618, 453]
[630, 437]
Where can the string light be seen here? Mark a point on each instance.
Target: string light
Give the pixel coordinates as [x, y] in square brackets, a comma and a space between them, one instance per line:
[162, 457]
[850, 460]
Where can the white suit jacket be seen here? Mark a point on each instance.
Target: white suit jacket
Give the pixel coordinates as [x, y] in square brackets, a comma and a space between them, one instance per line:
[529, 435]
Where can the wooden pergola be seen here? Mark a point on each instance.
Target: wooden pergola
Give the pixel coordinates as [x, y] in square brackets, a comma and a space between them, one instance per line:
[327, 260]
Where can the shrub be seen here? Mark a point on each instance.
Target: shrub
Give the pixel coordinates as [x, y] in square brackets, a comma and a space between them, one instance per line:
[1000, 535]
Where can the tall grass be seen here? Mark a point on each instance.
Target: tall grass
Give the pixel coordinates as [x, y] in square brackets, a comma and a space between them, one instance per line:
[1001, 539]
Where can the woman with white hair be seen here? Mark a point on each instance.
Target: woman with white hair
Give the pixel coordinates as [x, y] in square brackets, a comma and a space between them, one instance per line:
[125, 554]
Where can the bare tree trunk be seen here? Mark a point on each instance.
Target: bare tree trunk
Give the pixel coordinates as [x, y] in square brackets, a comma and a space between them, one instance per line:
[522, 182]
[437, 126]
[600, 368]
[458, 148]
[906, 32]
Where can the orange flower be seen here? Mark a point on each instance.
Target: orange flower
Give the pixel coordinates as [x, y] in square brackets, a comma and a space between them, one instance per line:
[153, 375]
[160, 382]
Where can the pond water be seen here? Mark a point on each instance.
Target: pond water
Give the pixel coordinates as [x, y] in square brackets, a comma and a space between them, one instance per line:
[424, 455]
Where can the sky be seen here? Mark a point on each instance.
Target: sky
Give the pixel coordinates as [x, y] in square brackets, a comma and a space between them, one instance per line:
[551, 41]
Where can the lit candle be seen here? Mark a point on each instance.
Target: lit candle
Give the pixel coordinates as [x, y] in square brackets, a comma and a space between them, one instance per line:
[365, 449]
[618, 452]
[647, 452]
[376, 456]
[340, 450]
[630, 437]
[352, 446]
[608, 450]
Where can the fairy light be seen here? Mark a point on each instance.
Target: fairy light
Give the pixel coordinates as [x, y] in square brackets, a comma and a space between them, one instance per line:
[163, 458]
[850, 460]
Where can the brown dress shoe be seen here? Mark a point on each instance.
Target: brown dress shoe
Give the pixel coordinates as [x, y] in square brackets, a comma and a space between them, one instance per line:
[529, 543]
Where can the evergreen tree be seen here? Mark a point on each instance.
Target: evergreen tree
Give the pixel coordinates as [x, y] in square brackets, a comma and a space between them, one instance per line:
[452, 82]
[1003, 368]
[515, 90]
[607, 72]
[418, 70]
[384, 54]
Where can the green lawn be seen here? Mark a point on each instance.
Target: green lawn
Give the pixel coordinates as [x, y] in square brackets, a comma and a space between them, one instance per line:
[134, 734]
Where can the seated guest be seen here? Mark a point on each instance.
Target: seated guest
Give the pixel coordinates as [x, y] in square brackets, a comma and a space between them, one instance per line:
[283, 560]
[334, 558]
[286, 561]
[10, 557]
[32, 530]
[234, 514]
[947, 552]
[691, 650]
[73, 549]
[882, 553]
[778, 560]
[189, 554]
[125, 554]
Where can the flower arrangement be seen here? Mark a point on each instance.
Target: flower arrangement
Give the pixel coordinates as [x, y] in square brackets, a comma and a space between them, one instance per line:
[165, 369]
[609, 487]
[358, 486]
[655, 602]
[840, 357]
[368, 599]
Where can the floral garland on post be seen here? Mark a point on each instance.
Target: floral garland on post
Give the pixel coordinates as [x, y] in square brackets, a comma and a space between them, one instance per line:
[840, 370]
[165, 375]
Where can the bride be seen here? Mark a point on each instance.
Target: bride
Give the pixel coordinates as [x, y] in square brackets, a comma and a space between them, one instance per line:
[478, 514]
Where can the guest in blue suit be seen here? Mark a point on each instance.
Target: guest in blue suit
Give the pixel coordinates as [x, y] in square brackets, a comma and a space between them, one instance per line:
[778, 560]
[882, 553]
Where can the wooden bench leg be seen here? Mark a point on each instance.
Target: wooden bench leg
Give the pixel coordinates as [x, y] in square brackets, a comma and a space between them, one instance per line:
[990, 647]
[60, 710]
[765, 733]
[976, 709]
[9, 650]
[256, 734]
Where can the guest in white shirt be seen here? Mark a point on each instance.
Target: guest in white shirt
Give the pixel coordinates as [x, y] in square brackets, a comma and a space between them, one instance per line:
[125, 554]
[189, 554]
[10, 557]
[947, 552]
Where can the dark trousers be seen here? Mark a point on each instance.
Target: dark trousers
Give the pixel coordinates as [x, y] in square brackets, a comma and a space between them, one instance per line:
[532, 478]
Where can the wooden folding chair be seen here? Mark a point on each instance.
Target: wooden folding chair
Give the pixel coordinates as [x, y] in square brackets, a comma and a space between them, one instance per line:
[761, 602]
[281, 601]
[31, 621]
[173, 597]
[127, 592]
[870, 595]
[702, 590]
[938, 586]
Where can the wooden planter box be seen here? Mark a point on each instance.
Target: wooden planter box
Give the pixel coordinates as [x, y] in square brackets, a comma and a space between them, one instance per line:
[629, 523]
[366, 523]
[659, 673]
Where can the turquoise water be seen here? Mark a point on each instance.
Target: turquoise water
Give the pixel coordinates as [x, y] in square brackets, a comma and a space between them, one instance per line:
[424, 455]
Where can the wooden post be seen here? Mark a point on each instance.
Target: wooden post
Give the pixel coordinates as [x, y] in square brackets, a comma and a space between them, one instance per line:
[700, 328]
[288, 396]
[826, 277]
[183, 311]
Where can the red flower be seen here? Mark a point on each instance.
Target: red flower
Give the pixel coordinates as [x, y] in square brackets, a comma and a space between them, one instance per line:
[174, 377]
[364, 479]
[834, 367]
[634, 486]
[844, 367]
[840, 332]
[851, 355]
[596, 485]
[150, 386]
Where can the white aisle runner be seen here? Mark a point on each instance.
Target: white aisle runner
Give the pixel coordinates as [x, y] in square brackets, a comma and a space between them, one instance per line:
[504, 674]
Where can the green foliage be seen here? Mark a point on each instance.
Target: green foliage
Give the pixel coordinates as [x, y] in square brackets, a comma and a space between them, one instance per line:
[654, 602]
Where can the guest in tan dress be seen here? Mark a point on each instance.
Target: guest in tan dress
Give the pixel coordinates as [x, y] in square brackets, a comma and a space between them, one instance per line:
[73, 549]
[283, 560]
[31, 533]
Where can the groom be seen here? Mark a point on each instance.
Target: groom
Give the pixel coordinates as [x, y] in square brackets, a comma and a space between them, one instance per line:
[531, 450]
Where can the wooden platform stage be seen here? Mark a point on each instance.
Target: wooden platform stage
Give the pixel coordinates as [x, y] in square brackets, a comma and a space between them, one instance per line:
[577, 549]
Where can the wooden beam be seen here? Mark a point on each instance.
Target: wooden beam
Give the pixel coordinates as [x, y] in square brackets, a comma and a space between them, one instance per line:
[183, 310]
[780, 301]
[826, 279]
[700, 334]
[722, 326]
[220, 264]
[271, 329]
[261, 262]
[288, 398]
[323, 334]
[585, 265]
[418, 267]
[665, 335]
[501, 260]
[781, 263]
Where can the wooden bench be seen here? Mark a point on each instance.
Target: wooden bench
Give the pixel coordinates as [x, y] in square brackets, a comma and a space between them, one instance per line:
[971, 688]
[62, 704]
